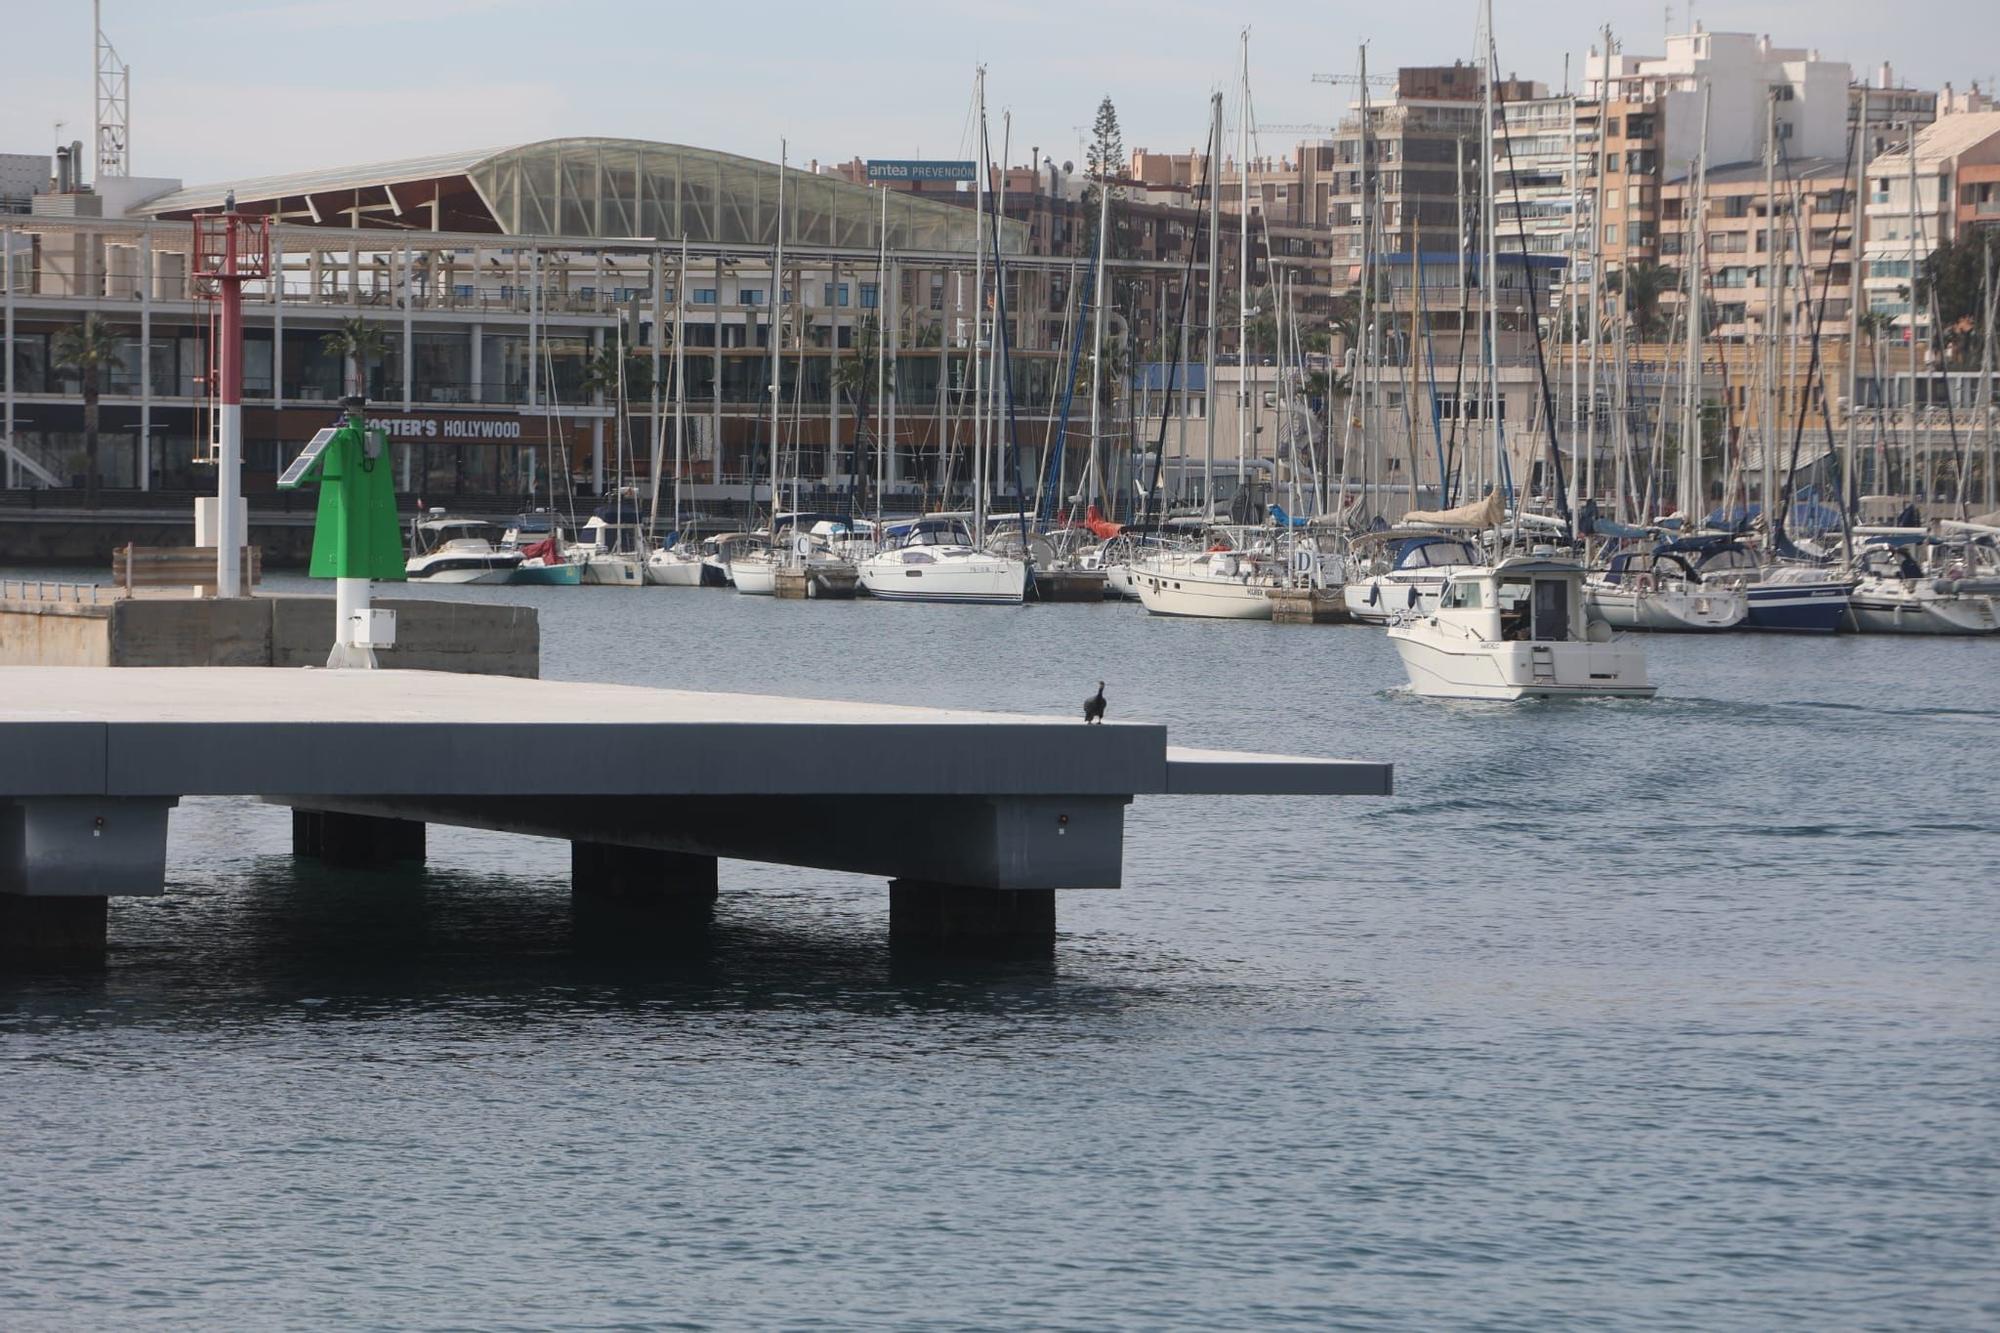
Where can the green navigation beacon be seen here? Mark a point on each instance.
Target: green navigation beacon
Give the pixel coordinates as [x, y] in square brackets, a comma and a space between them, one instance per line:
[356, 536]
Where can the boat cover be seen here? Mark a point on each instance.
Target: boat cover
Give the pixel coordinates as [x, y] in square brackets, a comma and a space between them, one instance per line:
[1486, 513]
[547, 550]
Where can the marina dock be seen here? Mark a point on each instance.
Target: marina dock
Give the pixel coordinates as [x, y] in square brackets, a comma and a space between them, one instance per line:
[977, 819]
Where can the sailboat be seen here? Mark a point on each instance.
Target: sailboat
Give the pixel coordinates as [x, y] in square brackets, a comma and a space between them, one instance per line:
[943, 558]
[1956, 592]
[676, 563]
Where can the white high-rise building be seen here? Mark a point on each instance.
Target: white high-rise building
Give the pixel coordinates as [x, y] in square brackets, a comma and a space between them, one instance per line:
[1742, 72]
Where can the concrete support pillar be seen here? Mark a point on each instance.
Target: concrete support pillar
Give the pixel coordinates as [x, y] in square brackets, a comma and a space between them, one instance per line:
[51, 927]
[950, 918]
[641, 877]
[356, 842]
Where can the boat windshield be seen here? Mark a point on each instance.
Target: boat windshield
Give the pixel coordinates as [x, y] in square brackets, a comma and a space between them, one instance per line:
[932, 532]
[1434, 553]
[1464, 595]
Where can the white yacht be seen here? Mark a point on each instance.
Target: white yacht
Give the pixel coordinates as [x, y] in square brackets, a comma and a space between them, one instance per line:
[1660, 590]
[674, 567]
[458, 550]
[933, 559]
[1417, 565]
[1520, 629]
[1787, 596]
[753, 567]
[1209, 585]
[1959, 594]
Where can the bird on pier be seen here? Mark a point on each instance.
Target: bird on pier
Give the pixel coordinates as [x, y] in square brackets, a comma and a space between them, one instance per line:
[1093, 707]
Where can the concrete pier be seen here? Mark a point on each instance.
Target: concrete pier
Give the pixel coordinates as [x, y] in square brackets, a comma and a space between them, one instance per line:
[356, 842]
[978, 817]
[605, 873]
[1308, 606]
[51, 927]
[975, 922]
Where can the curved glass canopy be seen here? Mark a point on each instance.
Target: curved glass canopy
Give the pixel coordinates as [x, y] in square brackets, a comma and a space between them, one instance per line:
[617, 189]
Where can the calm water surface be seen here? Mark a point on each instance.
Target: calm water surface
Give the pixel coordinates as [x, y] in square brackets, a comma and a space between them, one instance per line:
[1619, 1015]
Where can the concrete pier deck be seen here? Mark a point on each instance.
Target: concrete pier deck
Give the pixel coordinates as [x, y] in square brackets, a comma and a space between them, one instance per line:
[953, 806]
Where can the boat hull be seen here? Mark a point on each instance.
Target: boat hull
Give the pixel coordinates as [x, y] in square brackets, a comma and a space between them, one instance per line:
[1669, 610]
[983, 580]
[483, 573]
[546, 576]
[1898, 610]
[1194, 596]
[674, 573]
[1798, 608]
[1385, 598]
[614, 571]
[754, 578]
[1506, 672]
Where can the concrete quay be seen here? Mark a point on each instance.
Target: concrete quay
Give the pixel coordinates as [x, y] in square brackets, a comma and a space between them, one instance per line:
[262, 631]
[977, 819]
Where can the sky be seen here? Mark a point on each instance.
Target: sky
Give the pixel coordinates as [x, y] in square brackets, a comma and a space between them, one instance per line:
[232, 88]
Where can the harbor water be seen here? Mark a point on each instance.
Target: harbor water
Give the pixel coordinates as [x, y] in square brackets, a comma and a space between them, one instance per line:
[1682, 1013]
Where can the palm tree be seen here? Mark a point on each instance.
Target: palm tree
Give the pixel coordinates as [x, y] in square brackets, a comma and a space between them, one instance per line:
[361, 344]
[84, 350]
[1644, 283]
[600, 374]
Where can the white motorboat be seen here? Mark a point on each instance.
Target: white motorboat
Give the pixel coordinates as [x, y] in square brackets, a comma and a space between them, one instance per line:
[933, 559]
[1897, 595]
[1520, 629]
[458, 550]
[1210, 585]
[1659, 590]
[1418, 563]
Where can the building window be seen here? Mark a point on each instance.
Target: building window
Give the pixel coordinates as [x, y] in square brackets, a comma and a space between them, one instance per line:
[750, 296]
[871, 296]
[833, 294]
[937, 291]
[704, 296]
[1611, 233]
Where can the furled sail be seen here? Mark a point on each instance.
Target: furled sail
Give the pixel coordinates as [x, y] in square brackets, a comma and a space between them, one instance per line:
[1486, 513]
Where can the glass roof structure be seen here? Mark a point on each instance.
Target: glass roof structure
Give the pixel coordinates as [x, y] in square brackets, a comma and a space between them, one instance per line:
[604, 190]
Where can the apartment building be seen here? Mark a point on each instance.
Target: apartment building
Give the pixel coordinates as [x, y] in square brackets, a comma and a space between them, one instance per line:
[1915, 202]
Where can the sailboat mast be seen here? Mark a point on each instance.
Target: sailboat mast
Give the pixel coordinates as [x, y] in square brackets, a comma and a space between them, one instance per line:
[1773, 299]
[1986, 368]
[680, 380]
[1601, 156]
[996, 461]
[1850, 484]
[1914, 472]
[1208, 171]
[1489, 220]
[1097, 334]
[777, 326]
[881, 341]
[1569, 260]
[1691, 498]
[978, 343]
[1364, 324]
[1243, 277]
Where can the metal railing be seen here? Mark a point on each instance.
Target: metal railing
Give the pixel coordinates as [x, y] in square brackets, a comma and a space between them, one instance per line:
[49, 590]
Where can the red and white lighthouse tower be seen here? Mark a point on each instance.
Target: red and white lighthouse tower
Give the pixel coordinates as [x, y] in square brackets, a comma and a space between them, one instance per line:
[230, 249]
